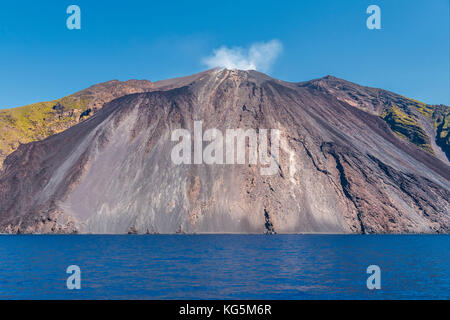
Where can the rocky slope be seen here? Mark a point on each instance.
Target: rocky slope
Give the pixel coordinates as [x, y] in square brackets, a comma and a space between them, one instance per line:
[40, 120]
[341, 167]
[424, 125]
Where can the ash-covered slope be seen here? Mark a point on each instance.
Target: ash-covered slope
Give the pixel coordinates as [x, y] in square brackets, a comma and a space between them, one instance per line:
[340, 169]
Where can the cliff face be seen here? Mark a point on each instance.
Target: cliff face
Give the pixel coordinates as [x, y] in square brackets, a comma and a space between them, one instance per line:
[340, 167]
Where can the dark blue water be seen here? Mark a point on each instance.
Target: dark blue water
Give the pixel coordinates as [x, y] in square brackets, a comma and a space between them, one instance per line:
[225, 266]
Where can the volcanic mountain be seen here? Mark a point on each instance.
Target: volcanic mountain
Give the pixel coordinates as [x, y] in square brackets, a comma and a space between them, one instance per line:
[352, 159]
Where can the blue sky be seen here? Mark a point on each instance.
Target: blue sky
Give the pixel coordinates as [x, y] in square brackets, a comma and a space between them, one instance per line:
[41, 60]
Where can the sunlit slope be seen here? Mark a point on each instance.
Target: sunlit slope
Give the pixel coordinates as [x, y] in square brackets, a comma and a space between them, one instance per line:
[424, 125]
[39, 120]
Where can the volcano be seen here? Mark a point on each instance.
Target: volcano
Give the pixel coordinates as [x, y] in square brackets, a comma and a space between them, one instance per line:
[352, 159]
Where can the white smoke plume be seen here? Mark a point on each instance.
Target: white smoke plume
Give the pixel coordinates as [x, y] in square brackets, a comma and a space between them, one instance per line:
[260, 56]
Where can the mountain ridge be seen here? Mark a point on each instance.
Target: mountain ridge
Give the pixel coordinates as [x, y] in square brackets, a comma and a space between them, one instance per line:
[39, 120]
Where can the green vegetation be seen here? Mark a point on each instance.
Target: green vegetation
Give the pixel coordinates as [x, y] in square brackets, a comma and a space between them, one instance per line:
[442, 133]
[407, 126]
[440, 116]
[445, 127]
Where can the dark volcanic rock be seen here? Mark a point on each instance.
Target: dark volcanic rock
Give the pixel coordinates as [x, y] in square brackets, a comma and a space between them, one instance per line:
[341, 169]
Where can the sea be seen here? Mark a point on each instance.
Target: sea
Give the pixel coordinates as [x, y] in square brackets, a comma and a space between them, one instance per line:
[225, 267]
